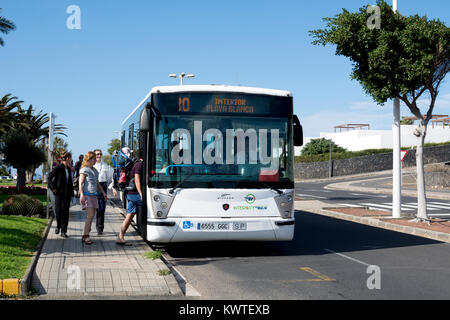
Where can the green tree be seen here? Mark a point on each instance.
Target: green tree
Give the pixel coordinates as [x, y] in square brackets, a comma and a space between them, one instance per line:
[405, 58]
[60, 146]
[20, 152]
[35, 126]
[8, 118]
[320, 146]
[3, 172]
[406, 121]
[5, 27]
[114, 145]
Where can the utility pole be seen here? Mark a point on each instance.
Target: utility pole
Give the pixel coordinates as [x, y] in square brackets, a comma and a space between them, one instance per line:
[396, 144]
[330, 164]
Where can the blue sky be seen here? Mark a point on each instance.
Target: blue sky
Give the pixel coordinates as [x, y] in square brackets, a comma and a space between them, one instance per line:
[92, 78]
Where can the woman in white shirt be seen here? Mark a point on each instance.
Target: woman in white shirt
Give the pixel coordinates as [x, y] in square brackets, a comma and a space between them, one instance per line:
[90, 188]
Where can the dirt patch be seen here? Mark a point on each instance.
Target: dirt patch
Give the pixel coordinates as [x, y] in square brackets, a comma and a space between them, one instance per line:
[362, 212]
[437, 225]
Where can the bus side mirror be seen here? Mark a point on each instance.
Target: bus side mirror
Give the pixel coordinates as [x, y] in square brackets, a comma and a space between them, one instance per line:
[147, 114]
[298, 132]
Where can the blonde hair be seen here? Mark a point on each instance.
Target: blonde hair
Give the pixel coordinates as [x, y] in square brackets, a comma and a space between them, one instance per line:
[87, 157]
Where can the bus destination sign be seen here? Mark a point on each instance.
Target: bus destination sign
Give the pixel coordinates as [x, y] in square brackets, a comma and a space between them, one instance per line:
[223, 104]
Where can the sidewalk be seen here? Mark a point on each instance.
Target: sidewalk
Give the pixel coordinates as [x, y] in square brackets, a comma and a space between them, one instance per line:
[104, 268]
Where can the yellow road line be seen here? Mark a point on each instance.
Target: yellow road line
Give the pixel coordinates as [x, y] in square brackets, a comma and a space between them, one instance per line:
[318, 276]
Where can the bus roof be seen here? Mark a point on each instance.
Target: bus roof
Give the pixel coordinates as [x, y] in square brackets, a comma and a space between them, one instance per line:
[210, 88]
[220, 88]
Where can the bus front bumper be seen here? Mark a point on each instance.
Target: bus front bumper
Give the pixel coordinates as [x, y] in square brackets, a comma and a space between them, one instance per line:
[220, 229]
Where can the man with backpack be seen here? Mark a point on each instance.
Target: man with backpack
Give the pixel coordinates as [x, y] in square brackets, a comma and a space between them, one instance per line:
[133, 196]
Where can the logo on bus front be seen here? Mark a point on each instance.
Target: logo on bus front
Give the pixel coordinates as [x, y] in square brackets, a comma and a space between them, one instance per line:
[250, 198]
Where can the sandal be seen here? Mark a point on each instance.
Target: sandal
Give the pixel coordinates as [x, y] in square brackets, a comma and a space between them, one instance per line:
[88, 242]
[124, 243]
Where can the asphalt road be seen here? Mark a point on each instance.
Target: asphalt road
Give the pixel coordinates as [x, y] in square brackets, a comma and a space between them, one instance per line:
[328, 259]
[317, 191]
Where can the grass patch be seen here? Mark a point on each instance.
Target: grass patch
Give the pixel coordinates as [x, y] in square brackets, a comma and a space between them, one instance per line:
[152, 255]
[164, 272]
[19, 238]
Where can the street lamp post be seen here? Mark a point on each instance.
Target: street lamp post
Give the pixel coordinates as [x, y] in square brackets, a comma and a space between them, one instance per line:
[396, 144]
[181, 76]
[52, 117]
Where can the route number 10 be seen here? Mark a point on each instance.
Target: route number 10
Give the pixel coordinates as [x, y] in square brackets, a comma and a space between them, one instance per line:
[184, 104]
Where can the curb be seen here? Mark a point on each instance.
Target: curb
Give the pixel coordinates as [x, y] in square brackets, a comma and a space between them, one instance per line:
[434, 235]
[25, 282]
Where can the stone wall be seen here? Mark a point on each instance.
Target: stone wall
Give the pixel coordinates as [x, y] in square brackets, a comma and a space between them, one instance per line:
[364, 164]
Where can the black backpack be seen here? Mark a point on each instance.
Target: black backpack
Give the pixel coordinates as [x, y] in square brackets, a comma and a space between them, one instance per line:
[126, 181]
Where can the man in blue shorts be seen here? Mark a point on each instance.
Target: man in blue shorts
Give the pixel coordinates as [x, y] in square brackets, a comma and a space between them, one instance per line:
[134, 198]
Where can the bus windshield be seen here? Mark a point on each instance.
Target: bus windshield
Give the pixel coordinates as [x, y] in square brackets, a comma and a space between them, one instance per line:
[204, 151]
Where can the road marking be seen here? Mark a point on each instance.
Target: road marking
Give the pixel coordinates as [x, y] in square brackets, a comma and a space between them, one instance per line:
[347, 257]
[319, 276]
[438, 206]
[412, 205]
[307, 195]
[380, 205]
[431, 207]
[443, 203]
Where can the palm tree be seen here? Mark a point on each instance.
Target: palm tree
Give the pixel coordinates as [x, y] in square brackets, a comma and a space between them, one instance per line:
[5, 27]
[36, 130]
[8, 118]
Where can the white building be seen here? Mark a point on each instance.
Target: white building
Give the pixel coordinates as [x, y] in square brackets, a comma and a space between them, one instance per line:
[357, 140]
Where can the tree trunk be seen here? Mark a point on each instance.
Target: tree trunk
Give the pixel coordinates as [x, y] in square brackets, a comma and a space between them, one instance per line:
[29, 176]
[421, 132]
[21, 184]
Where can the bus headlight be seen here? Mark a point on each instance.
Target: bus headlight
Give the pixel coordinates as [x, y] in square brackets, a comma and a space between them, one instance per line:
[285, 204]
[161, 204]
[287, 214]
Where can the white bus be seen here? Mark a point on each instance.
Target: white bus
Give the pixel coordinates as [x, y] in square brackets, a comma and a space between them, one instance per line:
[218, 163]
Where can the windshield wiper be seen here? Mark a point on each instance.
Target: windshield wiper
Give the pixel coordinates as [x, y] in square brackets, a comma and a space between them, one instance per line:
[180, 183]
[257, 184]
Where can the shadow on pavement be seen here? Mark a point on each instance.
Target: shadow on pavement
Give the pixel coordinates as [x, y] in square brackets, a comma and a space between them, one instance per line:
[313, 233]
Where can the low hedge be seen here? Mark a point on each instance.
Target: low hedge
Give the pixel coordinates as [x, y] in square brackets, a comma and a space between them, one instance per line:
[351, 154]
[340, 155]
[33, 190]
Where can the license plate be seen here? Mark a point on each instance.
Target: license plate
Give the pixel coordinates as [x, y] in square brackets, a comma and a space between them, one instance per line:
[218, 226]
[221, 226]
